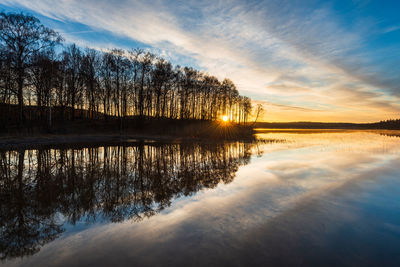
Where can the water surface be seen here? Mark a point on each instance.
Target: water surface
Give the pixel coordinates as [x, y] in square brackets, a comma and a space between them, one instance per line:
[306, 198]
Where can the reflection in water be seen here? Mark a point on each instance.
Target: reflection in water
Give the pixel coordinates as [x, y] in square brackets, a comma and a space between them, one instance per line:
[41, 190]
[322, 199]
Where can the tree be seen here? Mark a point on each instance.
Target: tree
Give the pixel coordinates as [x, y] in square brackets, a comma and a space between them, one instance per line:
[259, 111]
[42, 76]
[107, 85]
[146, 64]
[23, 36]
[90, 73]
[7, 84]
[72, 60]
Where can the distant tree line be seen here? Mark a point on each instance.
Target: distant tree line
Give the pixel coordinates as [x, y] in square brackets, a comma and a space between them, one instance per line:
[39, 75]
[393, 124]
[388, 124]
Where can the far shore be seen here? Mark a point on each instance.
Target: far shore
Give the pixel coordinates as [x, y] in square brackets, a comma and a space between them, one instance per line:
[382, 125]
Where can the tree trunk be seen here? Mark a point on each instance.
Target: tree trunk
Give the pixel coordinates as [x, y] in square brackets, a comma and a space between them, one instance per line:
[20, 96]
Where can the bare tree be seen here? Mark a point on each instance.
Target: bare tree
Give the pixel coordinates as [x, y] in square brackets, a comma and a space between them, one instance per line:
[72, 60]
[258, 112]
[23, 36]
[111, 85]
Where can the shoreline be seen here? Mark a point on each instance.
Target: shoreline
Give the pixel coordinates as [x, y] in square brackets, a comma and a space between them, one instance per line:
[85, 140]
[15, 142]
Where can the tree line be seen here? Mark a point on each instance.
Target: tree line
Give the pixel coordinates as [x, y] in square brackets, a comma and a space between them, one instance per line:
[41, 76]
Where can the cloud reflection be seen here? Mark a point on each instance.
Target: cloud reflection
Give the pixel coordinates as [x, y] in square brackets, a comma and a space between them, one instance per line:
[278, 210]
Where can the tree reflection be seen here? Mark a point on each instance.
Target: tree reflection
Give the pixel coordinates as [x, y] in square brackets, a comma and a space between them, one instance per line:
[40, 190]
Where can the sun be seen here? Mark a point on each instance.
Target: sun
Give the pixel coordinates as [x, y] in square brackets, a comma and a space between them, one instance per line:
[225, 118]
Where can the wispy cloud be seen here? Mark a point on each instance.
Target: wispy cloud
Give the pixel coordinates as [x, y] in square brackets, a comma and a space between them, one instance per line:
[391, 29]
[289, 53]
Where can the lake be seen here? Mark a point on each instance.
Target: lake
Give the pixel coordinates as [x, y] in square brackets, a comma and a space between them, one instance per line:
[298, 198]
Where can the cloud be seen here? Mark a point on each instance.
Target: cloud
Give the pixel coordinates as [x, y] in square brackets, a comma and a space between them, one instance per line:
[391, 29]
[289, 53]
[282, 107]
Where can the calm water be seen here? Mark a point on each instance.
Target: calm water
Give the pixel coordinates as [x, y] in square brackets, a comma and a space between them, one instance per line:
[308, 198]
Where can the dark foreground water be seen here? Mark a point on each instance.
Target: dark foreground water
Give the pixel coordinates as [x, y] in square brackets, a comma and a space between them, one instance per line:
[313, 198]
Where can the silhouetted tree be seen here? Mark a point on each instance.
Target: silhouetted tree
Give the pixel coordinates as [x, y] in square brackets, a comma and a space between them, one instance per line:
[72, 60]
[22, 36]
[103, 84]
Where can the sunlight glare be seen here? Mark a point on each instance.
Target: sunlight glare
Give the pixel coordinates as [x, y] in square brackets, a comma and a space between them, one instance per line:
[225, 118]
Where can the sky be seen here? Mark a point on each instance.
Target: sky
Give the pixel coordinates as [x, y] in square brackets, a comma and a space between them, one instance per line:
[303, 60]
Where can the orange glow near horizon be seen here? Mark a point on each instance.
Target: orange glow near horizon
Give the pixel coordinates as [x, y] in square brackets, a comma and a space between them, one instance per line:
[281, 113]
